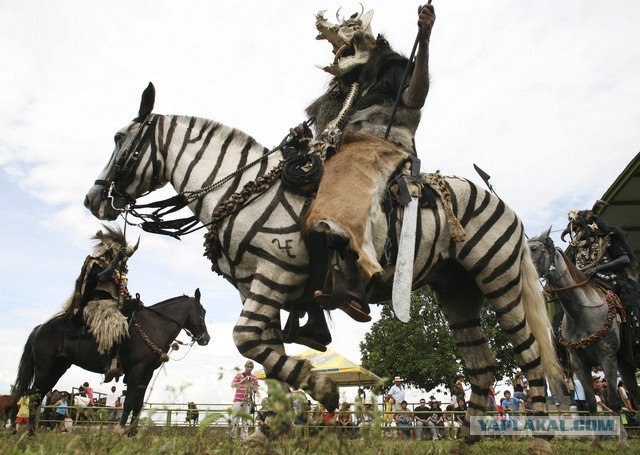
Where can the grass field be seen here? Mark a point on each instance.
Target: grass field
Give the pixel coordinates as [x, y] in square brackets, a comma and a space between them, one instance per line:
[207, 441]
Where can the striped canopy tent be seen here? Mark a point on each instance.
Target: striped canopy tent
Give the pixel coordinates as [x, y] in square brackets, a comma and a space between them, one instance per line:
[342, 371]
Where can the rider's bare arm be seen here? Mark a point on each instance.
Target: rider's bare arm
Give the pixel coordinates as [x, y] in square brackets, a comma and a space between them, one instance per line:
[416, 93]
[107, 273]
[615, 264]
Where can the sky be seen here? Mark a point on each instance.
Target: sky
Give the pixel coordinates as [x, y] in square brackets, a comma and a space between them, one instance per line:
[543, 96]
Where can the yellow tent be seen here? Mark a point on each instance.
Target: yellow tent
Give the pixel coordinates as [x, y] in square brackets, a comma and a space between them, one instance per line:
[342, 371]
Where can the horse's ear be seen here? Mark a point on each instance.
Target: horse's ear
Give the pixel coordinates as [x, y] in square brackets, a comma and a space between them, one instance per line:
[547, 233]
[197, 294]
[147, 101]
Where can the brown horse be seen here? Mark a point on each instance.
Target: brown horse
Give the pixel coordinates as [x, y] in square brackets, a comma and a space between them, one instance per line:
[7, 403]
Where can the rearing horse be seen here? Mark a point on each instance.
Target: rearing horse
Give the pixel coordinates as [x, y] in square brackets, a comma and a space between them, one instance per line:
[590, 330]
[260, 249]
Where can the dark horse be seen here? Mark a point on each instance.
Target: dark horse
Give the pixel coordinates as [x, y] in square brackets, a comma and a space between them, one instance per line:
[590, 331]
[50, 350]
[192, 414]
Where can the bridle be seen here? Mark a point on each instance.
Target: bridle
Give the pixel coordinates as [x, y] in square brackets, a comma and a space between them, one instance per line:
[201, 322]
[121, 174]
[550, 250]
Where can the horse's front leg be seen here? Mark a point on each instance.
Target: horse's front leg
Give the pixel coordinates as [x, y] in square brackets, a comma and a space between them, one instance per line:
[258, 336]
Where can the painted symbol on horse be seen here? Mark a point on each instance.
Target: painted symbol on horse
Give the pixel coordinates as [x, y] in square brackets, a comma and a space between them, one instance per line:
[286, 248]
[57, 344]
[207, 163]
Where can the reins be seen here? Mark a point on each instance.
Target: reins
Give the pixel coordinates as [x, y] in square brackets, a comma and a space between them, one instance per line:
[163, 356]
[566, 288]
[154, 222]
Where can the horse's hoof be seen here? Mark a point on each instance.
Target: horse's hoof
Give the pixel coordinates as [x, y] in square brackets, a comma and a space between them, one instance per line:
[540, 447]
[623, 446]
[120, 431]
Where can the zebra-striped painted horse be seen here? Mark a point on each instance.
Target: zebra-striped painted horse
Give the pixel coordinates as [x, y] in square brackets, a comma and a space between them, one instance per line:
[493, 263]
[590, 331]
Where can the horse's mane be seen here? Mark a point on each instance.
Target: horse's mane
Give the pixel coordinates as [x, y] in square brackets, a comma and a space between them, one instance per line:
[576, 274]
[169, 301]
[238, 134]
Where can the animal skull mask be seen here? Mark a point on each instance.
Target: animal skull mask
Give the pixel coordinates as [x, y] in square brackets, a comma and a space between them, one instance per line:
[112, 240]
[352, 41]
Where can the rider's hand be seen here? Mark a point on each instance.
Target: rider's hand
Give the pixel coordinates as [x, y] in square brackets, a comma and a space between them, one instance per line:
[300, 131]
[426, 18]
[590, 272]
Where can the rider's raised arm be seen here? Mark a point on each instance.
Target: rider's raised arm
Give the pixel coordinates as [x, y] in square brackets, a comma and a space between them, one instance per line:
[416, 93]
[107, 273]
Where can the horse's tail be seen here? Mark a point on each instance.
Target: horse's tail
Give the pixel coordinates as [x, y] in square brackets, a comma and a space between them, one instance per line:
[26, 367]
[537, 318]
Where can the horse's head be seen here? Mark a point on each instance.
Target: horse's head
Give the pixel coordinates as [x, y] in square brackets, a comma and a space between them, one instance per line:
[542, 252]
[195, 323]
[135, 167]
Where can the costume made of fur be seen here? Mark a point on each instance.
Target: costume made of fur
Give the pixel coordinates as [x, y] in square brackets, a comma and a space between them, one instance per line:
[603, 254]
[355, 177]
[101, 289]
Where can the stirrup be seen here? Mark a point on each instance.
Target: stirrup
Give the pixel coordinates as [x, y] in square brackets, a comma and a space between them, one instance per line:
[316, 336]
[336, 294]
[114, 371]
[349, 302]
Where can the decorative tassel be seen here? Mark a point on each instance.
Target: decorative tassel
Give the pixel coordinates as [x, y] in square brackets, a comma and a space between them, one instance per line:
[436, 182]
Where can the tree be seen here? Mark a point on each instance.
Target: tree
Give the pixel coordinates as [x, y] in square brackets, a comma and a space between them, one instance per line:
[423, 351]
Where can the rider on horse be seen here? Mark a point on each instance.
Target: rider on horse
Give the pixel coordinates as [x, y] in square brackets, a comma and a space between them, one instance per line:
[351, 119]
[604, 255]
[101, 291]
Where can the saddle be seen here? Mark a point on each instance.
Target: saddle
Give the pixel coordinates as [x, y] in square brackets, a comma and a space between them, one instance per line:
[78, 328]
[334, 280]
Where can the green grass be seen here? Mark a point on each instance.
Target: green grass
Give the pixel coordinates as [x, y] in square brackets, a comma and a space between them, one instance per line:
[213, 441]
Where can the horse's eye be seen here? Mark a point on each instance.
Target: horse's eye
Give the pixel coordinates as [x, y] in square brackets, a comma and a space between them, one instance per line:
[118, 137]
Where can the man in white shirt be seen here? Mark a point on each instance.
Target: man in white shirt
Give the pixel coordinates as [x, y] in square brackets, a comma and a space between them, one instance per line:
[110, 402]
[397, 392]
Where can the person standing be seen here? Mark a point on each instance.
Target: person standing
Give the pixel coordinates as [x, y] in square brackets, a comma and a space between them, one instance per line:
[579, 396]
[458, 388]
[245, 384]
[111, 403]
[510, 404]
[22, 417]
[397, 392]
[62, 411]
